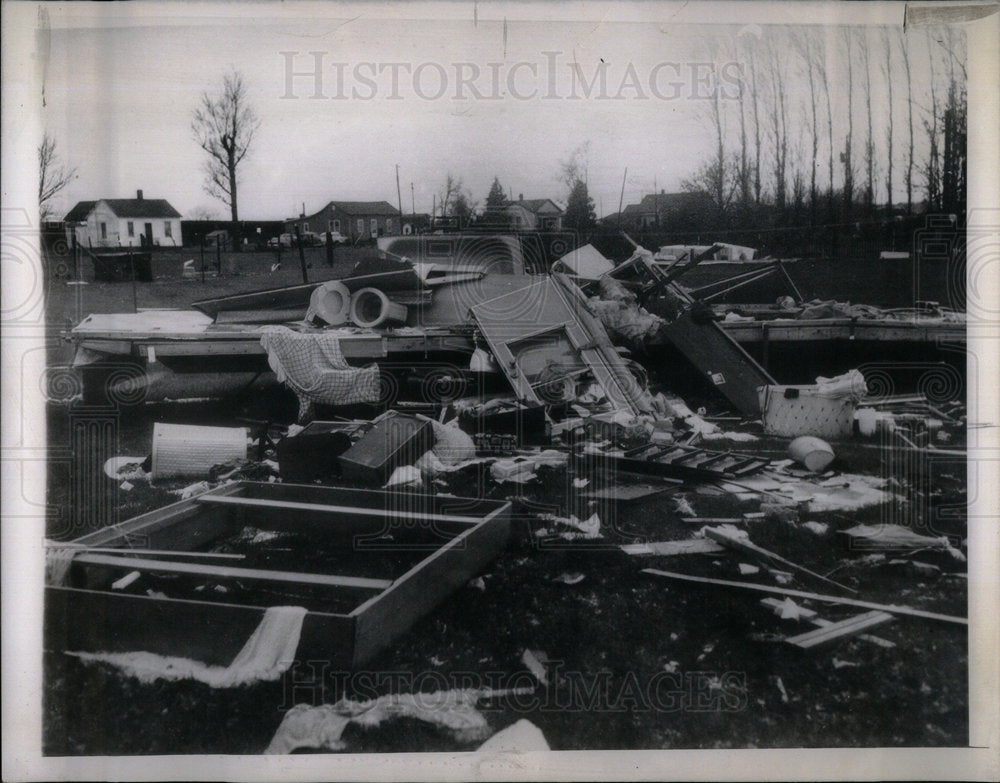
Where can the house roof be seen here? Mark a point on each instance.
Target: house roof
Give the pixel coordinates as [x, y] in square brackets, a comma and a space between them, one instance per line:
[363, 207]
[534, 204]
[80, 211]
[126, 208]
[654, 201]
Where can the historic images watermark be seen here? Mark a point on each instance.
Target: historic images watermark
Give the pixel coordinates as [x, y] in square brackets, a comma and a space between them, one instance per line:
[553, 76]
[569, 690]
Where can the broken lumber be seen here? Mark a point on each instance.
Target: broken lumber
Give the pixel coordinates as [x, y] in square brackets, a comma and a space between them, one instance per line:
[833, 599]
[835, 632]
[688, 547]
[744, 544]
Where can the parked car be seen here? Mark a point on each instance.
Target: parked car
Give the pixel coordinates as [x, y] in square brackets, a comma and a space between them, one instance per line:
[335, 236]
[311, 238]
[285, 240]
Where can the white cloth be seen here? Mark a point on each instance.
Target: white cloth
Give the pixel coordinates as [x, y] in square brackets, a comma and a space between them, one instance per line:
[266, 655]
[313, 366]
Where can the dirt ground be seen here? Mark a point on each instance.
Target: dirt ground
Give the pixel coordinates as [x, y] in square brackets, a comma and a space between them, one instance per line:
[635, 661]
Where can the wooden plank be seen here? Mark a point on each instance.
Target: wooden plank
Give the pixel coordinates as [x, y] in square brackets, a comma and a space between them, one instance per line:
[744, 544]
[836, 632]
[692, 546]
[231, 572]
[290, 505]
[833, 599]
[381, 619]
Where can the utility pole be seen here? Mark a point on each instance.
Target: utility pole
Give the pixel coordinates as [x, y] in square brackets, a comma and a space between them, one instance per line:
[621, 198]
[413, 201]
[399, 200]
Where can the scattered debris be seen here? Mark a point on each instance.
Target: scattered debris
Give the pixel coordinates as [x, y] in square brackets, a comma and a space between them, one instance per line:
[670, 548]
[812, 452]
[191, 450]
[889, 536]
[535, 661]
[836, 632]
[305, 726]
[735, 538]
[521, 737]
[567, 578]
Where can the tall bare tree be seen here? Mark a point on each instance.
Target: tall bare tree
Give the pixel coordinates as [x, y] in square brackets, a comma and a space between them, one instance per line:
[755, 103]
[224, 127]
[53, 175]
[847, 156]
[887, 75]
[805, 44]
[932, 168]
[908, 177]
[869, 195]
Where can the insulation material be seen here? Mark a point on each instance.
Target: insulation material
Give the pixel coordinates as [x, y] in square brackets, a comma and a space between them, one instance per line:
[305, 726]
[314, 367]
[266, 655]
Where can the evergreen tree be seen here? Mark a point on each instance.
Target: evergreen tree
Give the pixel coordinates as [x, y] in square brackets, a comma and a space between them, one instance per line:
[493, 214]
[580, 214]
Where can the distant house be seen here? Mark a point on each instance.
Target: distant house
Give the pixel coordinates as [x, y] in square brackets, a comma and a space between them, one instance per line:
[356, 220]
[666, 211]
[120, 222]
[534, 214]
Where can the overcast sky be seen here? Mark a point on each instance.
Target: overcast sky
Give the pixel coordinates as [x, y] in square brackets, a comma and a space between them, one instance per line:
[120, 87]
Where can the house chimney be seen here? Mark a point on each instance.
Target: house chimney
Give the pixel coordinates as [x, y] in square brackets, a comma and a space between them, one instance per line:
[138, 195]
[520, 197]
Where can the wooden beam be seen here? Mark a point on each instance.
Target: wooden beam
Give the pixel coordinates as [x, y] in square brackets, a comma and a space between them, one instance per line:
[686, 547]
[124, 550]
[835, 632]
[741, 544]
[230, 572]
[833, 599]
[291, 505]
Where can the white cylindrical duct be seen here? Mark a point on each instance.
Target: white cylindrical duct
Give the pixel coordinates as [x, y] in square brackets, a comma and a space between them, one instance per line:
[331, 302]
[371, 308]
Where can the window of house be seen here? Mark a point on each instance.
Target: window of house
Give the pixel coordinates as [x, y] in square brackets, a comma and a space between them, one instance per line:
[167, 230]
[374, 226]
[388, 225]
[361, 225]
[104, 230]
[336, 225]
[131, 229]
[305, 226]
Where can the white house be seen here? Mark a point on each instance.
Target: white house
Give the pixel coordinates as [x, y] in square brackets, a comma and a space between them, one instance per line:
[534, 214]
[121, 222]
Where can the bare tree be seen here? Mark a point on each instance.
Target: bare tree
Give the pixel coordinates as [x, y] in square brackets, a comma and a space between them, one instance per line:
[53, 176]
[575, 167]
[932, 171]
[869, 196]
[887, 74]
[909, 107]
[224, 127]
[777, 118]
[755, 103]
[846, 156]
[805, 45]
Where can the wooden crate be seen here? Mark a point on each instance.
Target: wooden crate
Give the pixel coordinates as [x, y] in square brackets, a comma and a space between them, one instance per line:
[442, 542]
